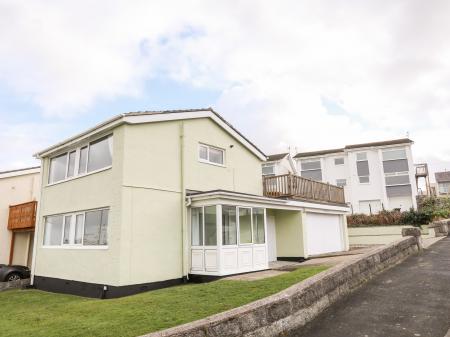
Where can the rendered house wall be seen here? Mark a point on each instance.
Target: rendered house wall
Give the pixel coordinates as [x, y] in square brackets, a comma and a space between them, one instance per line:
[376, 188]
[290, 234]
[153, 202]
[101, 189]
[14, 190]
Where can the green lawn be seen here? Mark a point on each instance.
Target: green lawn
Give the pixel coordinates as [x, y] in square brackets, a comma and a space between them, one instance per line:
[37, 313]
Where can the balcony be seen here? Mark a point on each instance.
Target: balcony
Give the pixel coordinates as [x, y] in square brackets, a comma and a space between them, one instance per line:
[421, 170]
[22, 216]
[296, 187]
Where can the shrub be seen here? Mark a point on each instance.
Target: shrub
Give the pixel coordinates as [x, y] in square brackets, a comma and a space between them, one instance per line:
[390, 218]
[429, 209]
[416, 218]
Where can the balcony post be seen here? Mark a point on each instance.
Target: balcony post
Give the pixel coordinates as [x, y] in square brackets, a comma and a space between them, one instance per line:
[329, 192]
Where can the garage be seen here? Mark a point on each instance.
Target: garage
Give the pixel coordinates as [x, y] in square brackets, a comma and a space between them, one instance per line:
[324, 233]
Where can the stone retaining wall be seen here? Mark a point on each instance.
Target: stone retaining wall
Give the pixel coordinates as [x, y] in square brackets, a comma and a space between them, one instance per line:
[441, 227]
[14, 284]
[294, 307]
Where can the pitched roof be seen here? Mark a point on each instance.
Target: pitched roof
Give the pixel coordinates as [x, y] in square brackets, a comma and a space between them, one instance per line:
[354, 146]
[317, 153]
[276, 157]
[383, 143]
[153, 116]
[442, 176]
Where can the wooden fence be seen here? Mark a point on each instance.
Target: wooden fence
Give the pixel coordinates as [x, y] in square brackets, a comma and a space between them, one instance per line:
[22, 216]
[296, 187]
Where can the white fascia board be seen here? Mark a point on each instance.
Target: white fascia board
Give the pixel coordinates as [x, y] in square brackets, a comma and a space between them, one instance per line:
[390, 146]
[310, 206]
[72, 141]
[282, 204]
[149, 118]
[20, 172]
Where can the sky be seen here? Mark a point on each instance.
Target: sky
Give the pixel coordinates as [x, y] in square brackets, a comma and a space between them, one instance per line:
[299, 75]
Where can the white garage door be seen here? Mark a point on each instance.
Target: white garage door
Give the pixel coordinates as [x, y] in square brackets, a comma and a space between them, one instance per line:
[324, 233]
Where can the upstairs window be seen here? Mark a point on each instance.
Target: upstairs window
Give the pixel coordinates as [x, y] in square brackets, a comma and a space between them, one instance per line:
[339, 161]
[89, 158]
[396, 171]
[362, 167]
[311, 169]
[268, 169]
[211, 155]
[395, 161]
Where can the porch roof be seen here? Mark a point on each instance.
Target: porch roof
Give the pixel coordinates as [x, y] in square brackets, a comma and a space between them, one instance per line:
[198, 198]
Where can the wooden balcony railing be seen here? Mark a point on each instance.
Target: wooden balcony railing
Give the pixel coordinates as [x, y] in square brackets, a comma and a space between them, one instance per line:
[22, 216]
[296, 187]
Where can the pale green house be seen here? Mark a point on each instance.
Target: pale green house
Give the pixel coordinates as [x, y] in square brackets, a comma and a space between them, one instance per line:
[151, 199]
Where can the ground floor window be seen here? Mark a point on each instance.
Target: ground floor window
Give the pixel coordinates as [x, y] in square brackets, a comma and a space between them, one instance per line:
[259, 231]
[85, 228]
[229, 225]
[243, 225]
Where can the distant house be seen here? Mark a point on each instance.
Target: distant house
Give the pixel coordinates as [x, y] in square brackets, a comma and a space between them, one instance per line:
[151, 199]
[443, 182]
[19, 193]
[375, 176]
[278, 164]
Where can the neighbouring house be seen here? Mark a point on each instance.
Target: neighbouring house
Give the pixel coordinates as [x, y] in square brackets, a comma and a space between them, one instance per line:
[151, 199]
[375, 176]
[278, 164]
[19, 191]
[443, 183]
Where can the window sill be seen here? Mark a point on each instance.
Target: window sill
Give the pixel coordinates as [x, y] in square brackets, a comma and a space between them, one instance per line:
[210, 163]
[74, 247]
[79, 176]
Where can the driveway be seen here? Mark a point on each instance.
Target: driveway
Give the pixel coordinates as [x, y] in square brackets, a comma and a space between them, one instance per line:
[411, 299]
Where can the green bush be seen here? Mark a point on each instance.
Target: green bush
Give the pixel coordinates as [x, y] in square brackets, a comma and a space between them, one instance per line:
[390, 218]
[439, 208]
[429, 209]
[416, 218]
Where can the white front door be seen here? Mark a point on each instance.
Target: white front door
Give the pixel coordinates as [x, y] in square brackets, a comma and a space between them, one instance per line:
[324, 233]
[271, 238]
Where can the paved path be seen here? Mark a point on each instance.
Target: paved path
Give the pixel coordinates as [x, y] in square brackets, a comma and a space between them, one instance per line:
[411, 299]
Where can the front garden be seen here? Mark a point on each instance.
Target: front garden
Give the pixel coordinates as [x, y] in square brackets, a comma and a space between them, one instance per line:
[37, 313]
[429, 209]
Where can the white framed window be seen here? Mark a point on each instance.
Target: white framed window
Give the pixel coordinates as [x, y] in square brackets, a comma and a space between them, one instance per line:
[362, 168]
[396, 172]
[339, 161]
[259, 226]
[229, 225]
[204, 226]
[311, 169]
[211, 155]
[86, 228]
[268, 169]
[341, 182]
[91, 157]
[444, 187]
[245, 225]
[240, 225]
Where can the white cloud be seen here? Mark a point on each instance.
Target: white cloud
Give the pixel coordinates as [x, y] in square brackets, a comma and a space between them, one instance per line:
[385, 64]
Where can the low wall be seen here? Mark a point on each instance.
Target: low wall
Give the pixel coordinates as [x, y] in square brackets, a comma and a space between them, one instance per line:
[14, 284]
[381, 235]
[294, 307]
[440, 227]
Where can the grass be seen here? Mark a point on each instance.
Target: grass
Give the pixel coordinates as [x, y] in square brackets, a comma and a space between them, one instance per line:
[37, 313]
